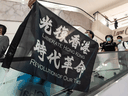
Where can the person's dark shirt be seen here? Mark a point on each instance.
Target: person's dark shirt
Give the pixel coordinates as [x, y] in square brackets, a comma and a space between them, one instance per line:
[109, 46]
[116, 24]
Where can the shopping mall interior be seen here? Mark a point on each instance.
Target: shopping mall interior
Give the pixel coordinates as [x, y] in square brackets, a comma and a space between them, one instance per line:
[109, 74]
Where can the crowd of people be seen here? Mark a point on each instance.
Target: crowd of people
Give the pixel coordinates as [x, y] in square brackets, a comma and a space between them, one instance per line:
[109, 45]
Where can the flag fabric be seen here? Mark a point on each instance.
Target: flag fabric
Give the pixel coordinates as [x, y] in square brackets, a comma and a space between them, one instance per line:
[57, 52]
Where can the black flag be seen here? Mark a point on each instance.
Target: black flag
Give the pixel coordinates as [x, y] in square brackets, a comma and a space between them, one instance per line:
[56, 51]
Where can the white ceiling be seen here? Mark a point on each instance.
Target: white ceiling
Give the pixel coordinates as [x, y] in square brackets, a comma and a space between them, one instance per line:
[110, 8]
[21, 1]
[117, 12]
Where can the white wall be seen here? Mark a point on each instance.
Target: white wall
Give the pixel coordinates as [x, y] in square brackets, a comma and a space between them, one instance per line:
[100, 30]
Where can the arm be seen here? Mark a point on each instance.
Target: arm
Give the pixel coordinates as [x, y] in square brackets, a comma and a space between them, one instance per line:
[103, 50]
[126, 46]
[30, 3]
[126, 49]
[99, 49]
[116, 49]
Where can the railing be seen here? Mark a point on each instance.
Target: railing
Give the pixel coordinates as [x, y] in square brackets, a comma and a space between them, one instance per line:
[66, 7]
[110, 24]
[108, 68]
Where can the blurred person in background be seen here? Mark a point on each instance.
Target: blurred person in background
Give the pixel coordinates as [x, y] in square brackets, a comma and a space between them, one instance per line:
[115, 23]
[4, 40]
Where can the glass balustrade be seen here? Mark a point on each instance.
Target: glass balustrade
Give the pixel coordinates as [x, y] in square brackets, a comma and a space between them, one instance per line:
[108, 67]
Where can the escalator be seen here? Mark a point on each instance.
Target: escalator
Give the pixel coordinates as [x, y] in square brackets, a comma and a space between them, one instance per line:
[108, 68]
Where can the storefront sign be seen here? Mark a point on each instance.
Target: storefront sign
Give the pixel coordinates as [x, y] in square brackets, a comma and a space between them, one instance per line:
[120, 32]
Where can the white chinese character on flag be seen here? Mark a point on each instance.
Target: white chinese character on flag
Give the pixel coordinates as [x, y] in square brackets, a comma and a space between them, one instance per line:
[75, 40]
[68, 64]
[61, 33]
[54, 57]
[47, 23]
[85, 46]
[41, 49]
[80, 68]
